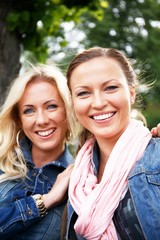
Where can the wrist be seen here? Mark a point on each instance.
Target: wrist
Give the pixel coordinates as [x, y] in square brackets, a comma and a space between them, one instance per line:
[48, 200]
[40, 204]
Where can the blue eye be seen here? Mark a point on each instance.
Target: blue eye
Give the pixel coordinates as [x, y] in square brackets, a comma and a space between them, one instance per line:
[28, 111]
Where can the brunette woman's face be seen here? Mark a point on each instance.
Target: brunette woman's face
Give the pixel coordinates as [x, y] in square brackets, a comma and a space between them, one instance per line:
[43, 116]
[101, 97]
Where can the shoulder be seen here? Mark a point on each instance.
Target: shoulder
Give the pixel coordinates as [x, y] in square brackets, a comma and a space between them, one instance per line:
[153, 146]
[151, 157]
[150, 161]
[66, 158]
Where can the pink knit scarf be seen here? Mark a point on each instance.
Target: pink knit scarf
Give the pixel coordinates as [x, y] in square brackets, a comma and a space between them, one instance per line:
[94, 202]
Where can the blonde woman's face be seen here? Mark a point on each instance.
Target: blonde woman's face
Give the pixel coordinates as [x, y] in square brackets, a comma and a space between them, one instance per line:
[43, 117]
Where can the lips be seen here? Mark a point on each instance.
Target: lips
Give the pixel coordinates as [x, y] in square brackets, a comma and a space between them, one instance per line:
[45, 133]
[103, 116]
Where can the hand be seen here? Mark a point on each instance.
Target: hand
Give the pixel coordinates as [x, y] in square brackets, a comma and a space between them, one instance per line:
[156, 131]
[58, 193]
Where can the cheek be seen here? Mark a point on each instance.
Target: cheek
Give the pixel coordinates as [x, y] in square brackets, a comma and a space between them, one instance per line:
[64, 128]
[24, 123]
[59, 119]
[27, 124]
[125, 106]
[79, 109]
[122, 100]
[81, 113]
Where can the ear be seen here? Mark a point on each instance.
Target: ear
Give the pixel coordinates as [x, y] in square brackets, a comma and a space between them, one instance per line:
[132, 94]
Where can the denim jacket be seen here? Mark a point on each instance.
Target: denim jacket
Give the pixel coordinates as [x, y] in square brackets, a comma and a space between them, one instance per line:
[19, 216]
[144, 185]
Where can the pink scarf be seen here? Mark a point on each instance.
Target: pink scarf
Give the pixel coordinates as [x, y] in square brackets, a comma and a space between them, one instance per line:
[94, 202]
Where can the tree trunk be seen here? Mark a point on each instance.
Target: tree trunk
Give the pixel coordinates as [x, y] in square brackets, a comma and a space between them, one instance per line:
[9, 50]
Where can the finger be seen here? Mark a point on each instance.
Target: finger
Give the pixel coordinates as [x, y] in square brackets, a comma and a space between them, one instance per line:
[154, 132]
[158, 130]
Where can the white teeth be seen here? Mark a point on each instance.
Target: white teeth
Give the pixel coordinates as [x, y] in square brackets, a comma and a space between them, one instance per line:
[103, 116]
[46, 133]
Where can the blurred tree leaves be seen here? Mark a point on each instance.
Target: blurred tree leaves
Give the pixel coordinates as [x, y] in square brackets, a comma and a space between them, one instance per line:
[36, 20]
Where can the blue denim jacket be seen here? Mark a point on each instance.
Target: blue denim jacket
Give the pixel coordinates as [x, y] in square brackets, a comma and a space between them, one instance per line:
[144, 185]
[19, 216]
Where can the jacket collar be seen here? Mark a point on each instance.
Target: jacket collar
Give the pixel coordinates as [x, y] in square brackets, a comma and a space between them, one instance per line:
[63, 161]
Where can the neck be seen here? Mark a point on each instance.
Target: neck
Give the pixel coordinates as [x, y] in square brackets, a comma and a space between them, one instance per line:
[42, 157]
[105, 148]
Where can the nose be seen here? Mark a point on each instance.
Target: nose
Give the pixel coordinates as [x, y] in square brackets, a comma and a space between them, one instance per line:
[99, 100]
[42, 118]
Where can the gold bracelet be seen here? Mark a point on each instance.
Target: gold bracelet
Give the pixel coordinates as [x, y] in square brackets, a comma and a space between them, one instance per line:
[40, 204]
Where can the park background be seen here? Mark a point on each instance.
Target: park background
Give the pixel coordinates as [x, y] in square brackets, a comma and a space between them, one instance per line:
[55, 30]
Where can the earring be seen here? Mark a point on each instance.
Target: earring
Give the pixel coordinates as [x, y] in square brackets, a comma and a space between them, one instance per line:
[68, 135]
[17, 137]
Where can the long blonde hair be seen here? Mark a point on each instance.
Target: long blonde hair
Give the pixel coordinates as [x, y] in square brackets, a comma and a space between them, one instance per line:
[12, 162]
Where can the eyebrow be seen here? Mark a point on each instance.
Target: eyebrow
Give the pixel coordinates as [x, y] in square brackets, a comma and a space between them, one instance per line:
[28, 105]
[52, 100]
[106, 81]
[48, 101]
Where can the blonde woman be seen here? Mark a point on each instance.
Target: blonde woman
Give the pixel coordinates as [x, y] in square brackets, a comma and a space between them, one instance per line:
[35, 164]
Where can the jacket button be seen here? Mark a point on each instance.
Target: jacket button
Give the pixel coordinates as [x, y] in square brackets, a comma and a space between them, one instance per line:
[34, 173]
[29, 211]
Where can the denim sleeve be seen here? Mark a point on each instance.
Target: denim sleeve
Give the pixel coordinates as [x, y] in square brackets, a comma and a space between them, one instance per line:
[17, 212]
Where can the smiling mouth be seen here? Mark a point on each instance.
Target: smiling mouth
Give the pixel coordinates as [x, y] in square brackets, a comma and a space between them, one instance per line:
[103, 116]
[46, 133]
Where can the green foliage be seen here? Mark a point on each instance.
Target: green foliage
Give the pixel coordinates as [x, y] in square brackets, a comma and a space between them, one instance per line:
[36, 20]
[18, 20]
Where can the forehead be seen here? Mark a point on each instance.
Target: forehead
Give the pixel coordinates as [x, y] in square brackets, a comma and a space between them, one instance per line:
[38, 90]
[98, 67]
